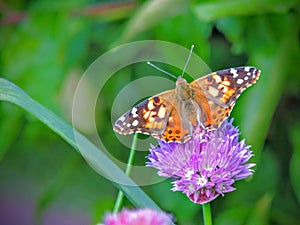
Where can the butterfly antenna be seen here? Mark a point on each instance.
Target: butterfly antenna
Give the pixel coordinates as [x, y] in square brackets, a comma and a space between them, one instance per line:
[188, 60]
[161, 70]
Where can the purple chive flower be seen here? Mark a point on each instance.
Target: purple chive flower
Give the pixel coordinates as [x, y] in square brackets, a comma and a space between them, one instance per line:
[205, 166]
[137, 217]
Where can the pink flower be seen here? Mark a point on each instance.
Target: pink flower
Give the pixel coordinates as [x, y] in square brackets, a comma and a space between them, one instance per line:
[137, 217]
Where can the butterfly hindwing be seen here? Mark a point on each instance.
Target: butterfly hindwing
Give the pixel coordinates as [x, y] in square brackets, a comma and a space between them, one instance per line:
[177, 130]
[218, 114]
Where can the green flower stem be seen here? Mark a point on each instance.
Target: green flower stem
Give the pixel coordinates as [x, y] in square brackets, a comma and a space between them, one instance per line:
[130, 160]
[207, 214]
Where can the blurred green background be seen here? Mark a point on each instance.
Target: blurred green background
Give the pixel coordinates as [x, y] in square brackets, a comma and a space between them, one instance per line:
[46, 46]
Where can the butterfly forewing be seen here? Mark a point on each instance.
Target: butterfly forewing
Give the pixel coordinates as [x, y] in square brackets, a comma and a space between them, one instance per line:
[222, 88]
[148, 117]
[158, 116]
[225, 86]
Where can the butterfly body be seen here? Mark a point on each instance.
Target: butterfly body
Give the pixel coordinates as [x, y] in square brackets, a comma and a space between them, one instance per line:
[172, 115]
[188, 107]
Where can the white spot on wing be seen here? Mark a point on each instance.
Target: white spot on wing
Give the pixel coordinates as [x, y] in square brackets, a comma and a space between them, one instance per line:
[213, 91]
[234, 72]
[161, 112]
[239, 81]
[150, 104]
[254, 73]
[217, 78]
[135, 123]
[226, 83]
[247, 68]
[133, 112]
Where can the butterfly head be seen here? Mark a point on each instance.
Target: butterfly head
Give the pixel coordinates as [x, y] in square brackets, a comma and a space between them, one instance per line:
[183, 88]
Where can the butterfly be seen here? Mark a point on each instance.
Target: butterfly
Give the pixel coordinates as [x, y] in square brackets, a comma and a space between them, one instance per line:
[173, 115]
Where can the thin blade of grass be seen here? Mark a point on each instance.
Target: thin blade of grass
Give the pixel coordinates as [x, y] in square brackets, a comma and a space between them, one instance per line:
[95, 158]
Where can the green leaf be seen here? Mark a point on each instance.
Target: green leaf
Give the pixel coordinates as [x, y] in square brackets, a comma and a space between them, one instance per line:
[260, 214]
[11, 132]
[209, 11]
[56, 185]
[232, 216]
[295, 161]
[274, 56]
[191, 32]
[150, 14]
[94, 157]
[48, 30]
